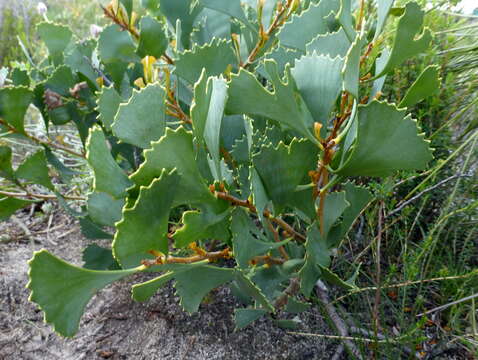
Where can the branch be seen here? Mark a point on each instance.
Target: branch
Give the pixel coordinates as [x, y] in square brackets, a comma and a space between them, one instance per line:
[291, 290]
[40, 196]
[43, 142]
[211, 256]
[443, 307]
[264, 36]
[245, 203]
[339, 323]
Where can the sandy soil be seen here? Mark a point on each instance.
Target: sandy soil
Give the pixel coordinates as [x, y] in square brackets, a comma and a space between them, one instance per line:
[116, 327]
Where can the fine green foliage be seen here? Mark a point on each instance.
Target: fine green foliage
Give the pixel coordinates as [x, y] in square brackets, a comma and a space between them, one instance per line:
[225, 151]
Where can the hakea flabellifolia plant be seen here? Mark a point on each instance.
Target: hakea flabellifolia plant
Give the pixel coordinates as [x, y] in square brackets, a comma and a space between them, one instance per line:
[226, 139]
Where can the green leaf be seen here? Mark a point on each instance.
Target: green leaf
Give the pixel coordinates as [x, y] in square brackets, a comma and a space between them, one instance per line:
[351, 71]
[230, 7]
[427, 84]
[104, 209]
[259, 193]
[215, 57]
[62, 290]
[246, 286]
[35, 169]
[151, 215]
[75, 59]
[334, 279]
[245, 244]
[66, 174]
[318, 80]
[8, 206]
[14, 103]
[19, 78]
[152, 40]
[302, 28]
[193, 285]
[108, 104]
[210, 97]
[142, 292]
[345, 19]
[143, 118]
[200, 226]
[244, 317]
[383, 9]
[98, 258]
[128, 5]
[175, 151]
[332, 44]
[386, 141]
[271, 280]
[116, 45]
[380, 63]
[283, 168]
[92, 231]
[175, 10]
[334, 206]
[61, 81]
[6, 170]
[211, 24]
[406, 44]
[56, 37]
[109, 177]
[287, 324]
[282, 56]
[284, 105]
[358, 198]
[317, 254]
[296, 307]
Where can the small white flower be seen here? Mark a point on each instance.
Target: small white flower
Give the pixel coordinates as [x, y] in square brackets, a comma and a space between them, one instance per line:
[41, 8]
[95, 30]
[3, 76]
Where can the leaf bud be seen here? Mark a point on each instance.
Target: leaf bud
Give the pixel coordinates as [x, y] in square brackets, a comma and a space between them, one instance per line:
[317, 129]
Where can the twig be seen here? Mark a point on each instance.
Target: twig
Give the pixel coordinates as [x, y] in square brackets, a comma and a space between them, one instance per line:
[378, 292]
[42, 142]
[25, 229]
[338, 352]
[277, 239]
[443, 307]
[264, 36]
[291, 290]
[107, 81]
[40, 196]
[344, 338]
[339, 324]
[267, 259]
[245, 203]
[211, 256]
[431, 188]
[66, 233]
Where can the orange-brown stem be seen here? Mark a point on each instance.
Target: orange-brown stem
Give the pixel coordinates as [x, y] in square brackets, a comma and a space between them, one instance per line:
[267, 259]
[279, 19]
[277, 239]
[211, 256]
[246, 204]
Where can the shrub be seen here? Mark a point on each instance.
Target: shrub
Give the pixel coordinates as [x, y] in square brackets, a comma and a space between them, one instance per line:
[251, 125]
